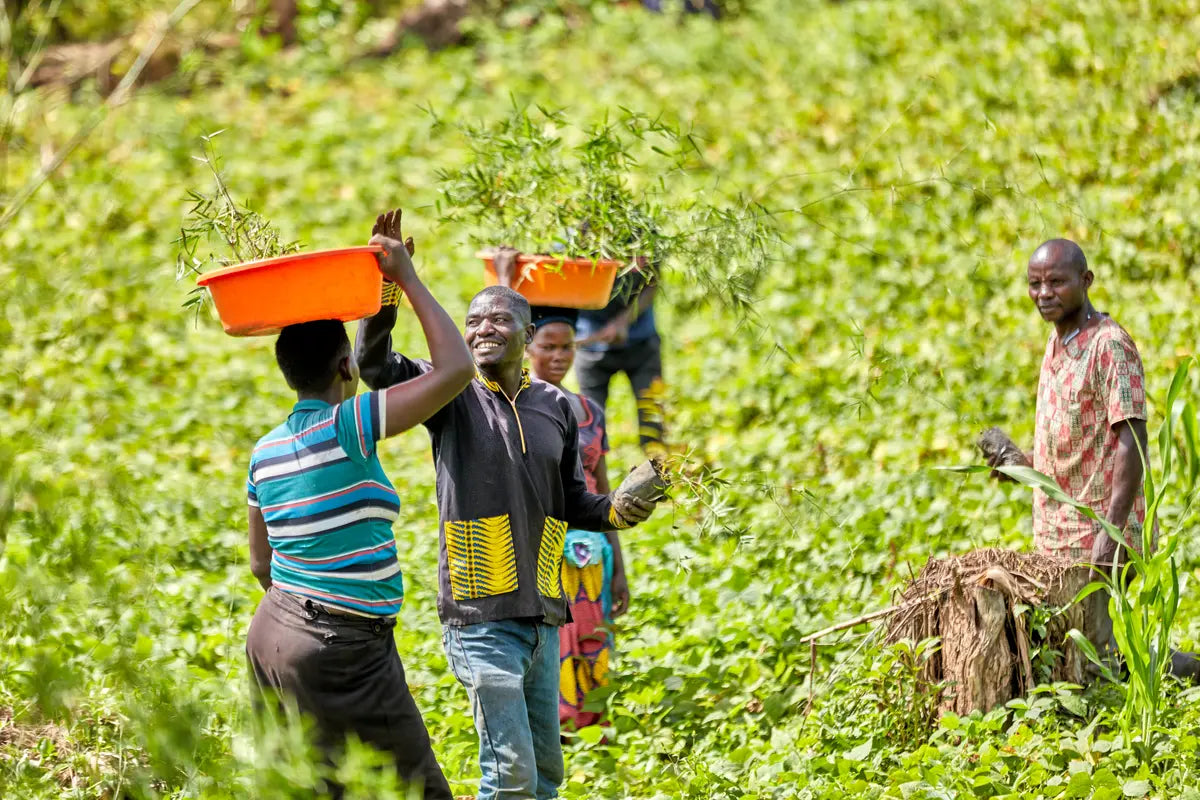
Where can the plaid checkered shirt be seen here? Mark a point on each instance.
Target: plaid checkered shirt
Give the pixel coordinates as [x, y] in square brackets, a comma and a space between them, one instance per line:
[1088, 386]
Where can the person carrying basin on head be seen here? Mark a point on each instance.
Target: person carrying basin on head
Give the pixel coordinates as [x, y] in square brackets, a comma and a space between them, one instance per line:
[320, 514]
[620, 338]
[509, 486]
[1090, 428]
[593, 571]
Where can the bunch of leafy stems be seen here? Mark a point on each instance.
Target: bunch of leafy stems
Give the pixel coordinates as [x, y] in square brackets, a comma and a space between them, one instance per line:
[607, 194]
[245, 234]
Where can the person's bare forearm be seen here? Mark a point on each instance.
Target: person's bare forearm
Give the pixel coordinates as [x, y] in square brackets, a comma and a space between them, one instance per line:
[447, 351]
[640, 303]
[646, 298]
[261, 551]
[1127, 477]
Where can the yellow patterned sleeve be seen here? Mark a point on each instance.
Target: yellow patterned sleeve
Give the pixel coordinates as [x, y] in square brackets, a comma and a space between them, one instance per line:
[616, 520]
[391, 294]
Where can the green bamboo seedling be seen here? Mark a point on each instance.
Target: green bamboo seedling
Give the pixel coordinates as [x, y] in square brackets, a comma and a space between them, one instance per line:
[612, 189]
[241, 233]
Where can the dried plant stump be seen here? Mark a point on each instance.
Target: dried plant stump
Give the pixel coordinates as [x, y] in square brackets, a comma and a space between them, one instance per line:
[979, 605]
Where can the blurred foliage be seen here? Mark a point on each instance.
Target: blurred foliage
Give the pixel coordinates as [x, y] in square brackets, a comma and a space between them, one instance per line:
[97, 20]
[913, 154]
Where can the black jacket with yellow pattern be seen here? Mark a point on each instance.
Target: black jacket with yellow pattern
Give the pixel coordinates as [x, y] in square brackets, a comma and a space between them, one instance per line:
[509, 484]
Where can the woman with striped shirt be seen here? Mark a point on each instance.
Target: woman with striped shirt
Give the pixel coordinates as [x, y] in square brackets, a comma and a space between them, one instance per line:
[321, 543]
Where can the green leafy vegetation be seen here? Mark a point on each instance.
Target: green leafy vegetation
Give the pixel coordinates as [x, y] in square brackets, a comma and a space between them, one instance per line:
[241, 233]
[608, 190]
[912, 155]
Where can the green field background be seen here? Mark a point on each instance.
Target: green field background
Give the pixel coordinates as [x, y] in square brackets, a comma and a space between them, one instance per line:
[914, 152]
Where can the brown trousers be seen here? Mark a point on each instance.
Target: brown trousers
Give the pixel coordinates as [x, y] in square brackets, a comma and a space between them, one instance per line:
[345, 673]
[1098, 628]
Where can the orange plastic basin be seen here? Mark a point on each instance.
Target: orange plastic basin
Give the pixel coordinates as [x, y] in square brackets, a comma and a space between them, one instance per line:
[259, 298]
[565, 282]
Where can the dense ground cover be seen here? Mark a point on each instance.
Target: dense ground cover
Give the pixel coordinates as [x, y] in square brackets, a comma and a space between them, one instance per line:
[915, 152]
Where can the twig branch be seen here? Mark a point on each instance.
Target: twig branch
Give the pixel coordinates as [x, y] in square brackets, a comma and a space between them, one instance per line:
[907, 604]
[850, 623]
[37, 52]
[812, 677]
[113, 100]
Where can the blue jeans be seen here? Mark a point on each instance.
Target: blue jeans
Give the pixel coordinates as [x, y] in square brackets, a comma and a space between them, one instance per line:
[510, 669]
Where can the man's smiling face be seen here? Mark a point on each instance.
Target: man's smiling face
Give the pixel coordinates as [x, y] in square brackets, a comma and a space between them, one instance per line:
[496, 332]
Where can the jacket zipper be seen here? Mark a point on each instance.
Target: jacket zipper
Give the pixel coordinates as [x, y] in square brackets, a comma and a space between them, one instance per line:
[513, 402]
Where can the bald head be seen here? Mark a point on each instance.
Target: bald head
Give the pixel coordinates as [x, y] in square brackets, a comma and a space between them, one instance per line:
[1062, 253]
[1059, 280]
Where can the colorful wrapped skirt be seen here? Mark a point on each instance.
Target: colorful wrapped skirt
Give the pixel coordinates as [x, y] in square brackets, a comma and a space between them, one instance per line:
[586, 643]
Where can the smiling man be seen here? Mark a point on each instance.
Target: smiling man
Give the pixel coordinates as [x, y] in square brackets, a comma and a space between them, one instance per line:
[509, 485]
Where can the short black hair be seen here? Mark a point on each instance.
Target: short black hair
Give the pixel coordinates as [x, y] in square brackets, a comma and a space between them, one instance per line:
[520, 305]
[308, 353]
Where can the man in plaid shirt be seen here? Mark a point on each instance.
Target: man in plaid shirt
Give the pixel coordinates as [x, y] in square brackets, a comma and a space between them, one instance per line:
[1090, 424]
[1091, 413]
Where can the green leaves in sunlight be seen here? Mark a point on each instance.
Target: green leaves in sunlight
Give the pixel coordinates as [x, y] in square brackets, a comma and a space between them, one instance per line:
[543, 182]
[863, 181]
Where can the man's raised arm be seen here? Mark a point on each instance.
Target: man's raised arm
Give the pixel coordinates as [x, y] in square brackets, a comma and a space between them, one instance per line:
[378, 365]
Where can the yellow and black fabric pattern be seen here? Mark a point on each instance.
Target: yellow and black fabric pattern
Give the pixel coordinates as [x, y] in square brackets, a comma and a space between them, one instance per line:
[481, 559]
[391, 294]
[483, 472]
[590, 579]
[550, 557]
[526, 381]
[616, 520]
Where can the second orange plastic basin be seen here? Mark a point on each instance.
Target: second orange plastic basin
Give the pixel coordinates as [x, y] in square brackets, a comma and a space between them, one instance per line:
[565, 282]
[259, 298]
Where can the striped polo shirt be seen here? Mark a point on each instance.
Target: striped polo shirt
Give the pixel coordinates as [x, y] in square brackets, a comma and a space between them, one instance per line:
[329, 507]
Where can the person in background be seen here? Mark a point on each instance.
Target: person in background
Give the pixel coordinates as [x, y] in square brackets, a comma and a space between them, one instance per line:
[708, 7]
[593, 572]
[1090, 427]
[509, 486]
[320, 515]
[620, 338]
